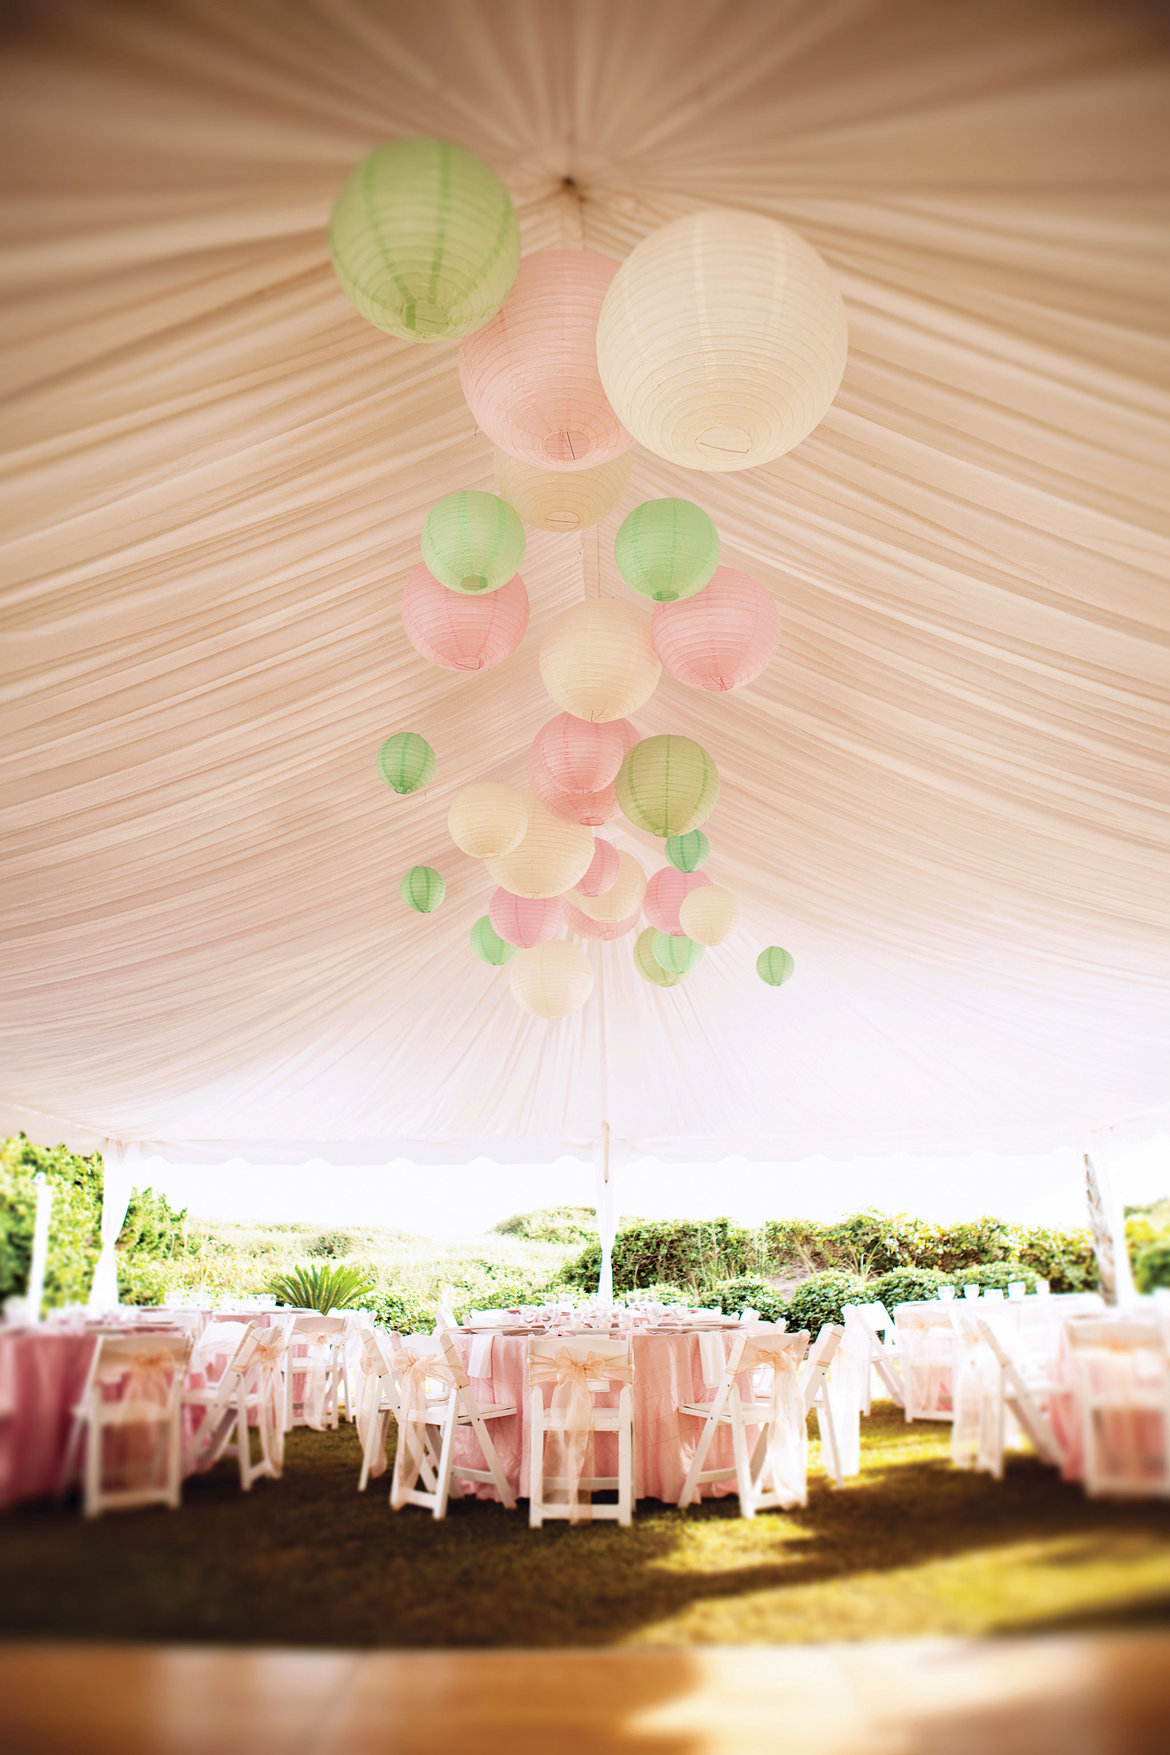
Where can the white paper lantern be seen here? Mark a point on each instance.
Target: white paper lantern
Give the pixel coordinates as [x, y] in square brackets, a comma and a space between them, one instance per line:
[551, 980]
[707, 915]
[598, 661]
[722, 340]
[564, 500]
[552, 856]
[623, 897]
[487, 820]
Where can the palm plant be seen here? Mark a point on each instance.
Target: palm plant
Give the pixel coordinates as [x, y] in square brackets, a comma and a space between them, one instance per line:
[322, 1288]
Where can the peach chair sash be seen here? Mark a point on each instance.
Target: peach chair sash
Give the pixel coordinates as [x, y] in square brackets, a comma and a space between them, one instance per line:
[975, 1400]
[373, 1374]
[570, 1438]
[787, 1440]
[264, 1380]
[147, 1376]
[415, 1370]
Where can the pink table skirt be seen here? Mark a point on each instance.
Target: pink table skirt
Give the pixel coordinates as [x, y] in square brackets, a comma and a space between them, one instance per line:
[667, 1371]
[42, 1377]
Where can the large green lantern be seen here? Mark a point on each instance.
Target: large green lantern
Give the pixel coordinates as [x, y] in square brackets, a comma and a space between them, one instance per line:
[667, 549]
[677, 955]
[488, 946]
[774, 966]
[423, 889]
[424, 240]
[687, 852]
[647, 964]
[473, 541]
[406, 761]
[667, 785]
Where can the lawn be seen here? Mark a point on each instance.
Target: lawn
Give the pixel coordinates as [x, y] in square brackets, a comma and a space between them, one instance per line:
[912, 1547]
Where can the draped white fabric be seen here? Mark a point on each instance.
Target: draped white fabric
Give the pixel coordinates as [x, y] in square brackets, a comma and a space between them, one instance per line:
[948, 795]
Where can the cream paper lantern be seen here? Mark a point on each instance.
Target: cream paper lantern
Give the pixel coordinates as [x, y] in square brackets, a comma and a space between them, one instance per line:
[552, 856]
[623, 897]
[708, 915]
[551, 980]
[722, 340]
[564, 500]
[598, 661]
[487, 820]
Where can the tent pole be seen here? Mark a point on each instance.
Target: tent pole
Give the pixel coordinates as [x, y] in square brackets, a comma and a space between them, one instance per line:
[606, 1212]
[117, 1191]
[1107, 1223]
[40, 1245]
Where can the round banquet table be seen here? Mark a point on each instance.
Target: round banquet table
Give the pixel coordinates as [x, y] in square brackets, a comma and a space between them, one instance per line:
[42, 1376]
[668, 1370]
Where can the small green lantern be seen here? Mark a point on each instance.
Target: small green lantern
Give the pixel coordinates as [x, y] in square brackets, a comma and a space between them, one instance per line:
[488, 946]
[647, 964]
[667, 785]
[406, 761]
[687, 852]
[667, 549]
[423, 889]
[677, 955]
[473, 542]
[774, 966]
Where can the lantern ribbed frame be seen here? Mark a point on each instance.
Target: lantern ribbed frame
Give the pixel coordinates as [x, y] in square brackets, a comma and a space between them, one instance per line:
[709, 914]
[472, 541]
[688, 852]
[530, 373]
[525, 921]
[721, 638]
[552, 980]
[676, 953]
[424, 240]
[422, 888]
[562, 500]
[593, 809]
[666, 549]
[774, 965]
[460, 632]
[605, 930]
[647, 964]
[597, 661]
[722, 340]
[603, 870]
[624, 896]
[668, 785]
[553, 856]
[406, 761]
[487, 820]
[488, 946]
[665, 893]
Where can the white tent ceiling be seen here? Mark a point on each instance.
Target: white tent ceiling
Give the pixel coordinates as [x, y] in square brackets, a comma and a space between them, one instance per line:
[948, 796]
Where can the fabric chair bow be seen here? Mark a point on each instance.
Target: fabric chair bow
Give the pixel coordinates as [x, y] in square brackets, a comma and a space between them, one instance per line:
[369, 1411]
[414, 1371]
[569, 1440]
[266, 1382]
[787, 1440]
[148, 1378]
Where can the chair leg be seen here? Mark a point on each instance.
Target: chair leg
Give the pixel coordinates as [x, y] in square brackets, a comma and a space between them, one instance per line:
[174, 1469]
[92, 1463]
[626, 1460]
[536, 1462]
[828, 1432]
[743, 1476]
[690, 1488]
[445, 1457]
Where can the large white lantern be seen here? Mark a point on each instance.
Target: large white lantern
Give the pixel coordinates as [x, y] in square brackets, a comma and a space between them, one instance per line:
[708, 914]
[487, 820]
[552, 980]
[564, 500]
[722, 340]
[552, 856]
[598, 660]
[623, 897]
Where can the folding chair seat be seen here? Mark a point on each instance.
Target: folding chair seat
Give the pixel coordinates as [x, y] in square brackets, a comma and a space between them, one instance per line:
[433, 1400]
[563, 1435]
[772, 1473]
[1122, 1372]
[250, 1388]
[312, 1371]
[129, 1421]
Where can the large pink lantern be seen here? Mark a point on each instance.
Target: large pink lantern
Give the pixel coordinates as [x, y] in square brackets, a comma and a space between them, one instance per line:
[602, 929]
[603, 873]
[580, 755]
[530, 374]
[720, 638]
[667, 890]
[463, 632]
[592, 809]
[523, 920]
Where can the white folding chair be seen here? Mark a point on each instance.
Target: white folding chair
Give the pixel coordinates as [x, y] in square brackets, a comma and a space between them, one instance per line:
[250, 1385]
[132, 1405]
[579, 1367]
[927, 1346]
[814, 1382]
[772, 1473]
[312, 1361]
[377, 1402]
[883, 1357]
[1122, 1372]
[1005, 1395]
[434, 1400]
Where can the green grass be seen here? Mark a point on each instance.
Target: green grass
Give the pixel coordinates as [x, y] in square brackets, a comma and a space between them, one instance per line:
[912, 1547]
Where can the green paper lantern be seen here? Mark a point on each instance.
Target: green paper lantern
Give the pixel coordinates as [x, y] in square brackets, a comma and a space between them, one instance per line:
[687, 852]
[647, 964]
[774, 966]
[406, 761]
[667, 785]
[667, 549]
[424, 240]
[677, 955]
[473, 542]
[423, 889]
[487, 944]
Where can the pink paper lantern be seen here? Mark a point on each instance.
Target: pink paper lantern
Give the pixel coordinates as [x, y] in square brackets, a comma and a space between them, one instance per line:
[720, 638]
[602, 929]
[523, 920]
[593, 809]
[602, 874]
[665, 894]
[530, 374]
[581, 755]
[459, 631]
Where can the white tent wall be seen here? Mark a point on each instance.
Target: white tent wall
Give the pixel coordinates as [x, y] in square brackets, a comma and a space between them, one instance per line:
[947, 797]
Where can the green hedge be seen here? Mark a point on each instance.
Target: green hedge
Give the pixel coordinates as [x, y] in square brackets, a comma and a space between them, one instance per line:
[1153, 1267]
[732, 1296]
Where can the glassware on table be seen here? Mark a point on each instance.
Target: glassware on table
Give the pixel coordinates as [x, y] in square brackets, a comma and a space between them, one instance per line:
[970, 1291]
[946, 1294]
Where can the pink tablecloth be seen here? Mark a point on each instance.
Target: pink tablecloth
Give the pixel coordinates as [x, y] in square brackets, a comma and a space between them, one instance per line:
[42, 1377]
[667, 1371]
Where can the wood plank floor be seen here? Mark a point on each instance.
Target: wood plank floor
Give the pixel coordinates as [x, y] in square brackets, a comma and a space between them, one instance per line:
[1072, 1695]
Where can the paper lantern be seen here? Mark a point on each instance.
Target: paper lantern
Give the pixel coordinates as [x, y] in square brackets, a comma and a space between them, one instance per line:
[525, 921]
[623, 897]
[422, 889]
[424, 240]
[530, 373]
[459, 632]
[406, 761]
[688, 852]
[667, 785]
[597, 660]
[472, 542]
[487, 820]
[572, 765]
[594, 809]
[562, 499]
[487, 944]
[647, 964]
[603, 870]
[722, 340]
[722, 637]
[553, 856]
[665, 894]
[708, 914]
[677, 955]
[667, 549]
[774, 966]
[600, 929]
[553, 979]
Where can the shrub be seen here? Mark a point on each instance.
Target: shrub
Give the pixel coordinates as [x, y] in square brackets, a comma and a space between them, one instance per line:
[552, 1225]
[333, 1244]
[732, 1296]
[692, 1253]
[406, 1310]
[819, 1299]
[1153, 1267]
[323, 1288]
[1066, 1259]
[996, 1274]
[907, 1285]
[660, 1294]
